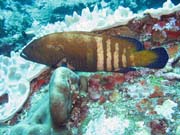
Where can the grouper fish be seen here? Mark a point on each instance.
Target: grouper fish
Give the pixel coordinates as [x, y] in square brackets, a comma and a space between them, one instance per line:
[86, 51]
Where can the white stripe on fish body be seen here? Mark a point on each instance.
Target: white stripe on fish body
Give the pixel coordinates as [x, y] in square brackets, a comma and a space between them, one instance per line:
[124, 59]
[116, 56]
[100, 53]
[109, 57]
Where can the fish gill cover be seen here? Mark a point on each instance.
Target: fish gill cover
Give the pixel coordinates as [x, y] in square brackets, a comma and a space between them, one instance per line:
[145, 101]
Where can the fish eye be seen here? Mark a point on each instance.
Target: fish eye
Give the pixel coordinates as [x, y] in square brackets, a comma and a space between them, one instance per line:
[32, 47]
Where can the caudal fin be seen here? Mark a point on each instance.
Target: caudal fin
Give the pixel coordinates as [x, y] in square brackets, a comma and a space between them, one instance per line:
[161, 60]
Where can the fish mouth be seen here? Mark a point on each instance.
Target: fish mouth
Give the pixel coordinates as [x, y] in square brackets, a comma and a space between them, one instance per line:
[23, 55]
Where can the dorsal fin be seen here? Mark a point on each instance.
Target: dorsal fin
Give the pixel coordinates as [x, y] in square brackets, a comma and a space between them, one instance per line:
[139, 46]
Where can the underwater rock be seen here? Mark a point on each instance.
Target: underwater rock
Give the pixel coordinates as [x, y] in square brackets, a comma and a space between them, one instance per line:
[60, 95]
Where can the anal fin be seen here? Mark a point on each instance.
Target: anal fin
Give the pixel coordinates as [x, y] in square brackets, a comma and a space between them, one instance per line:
[125, 70]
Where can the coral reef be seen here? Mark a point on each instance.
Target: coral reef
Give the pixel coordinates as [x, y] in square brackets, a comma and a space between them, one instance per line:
[144, 101]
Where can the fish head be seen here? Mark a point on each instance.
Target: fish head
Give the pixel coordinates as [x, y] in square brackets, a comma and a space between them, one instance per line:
[29, 51]
[43, 52]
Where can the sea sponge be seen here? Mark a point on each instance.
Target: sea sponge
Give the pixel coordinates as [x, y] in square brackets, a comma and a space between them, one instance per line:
[27, 129]
[19, 129]
[60, 94]
[37, 120]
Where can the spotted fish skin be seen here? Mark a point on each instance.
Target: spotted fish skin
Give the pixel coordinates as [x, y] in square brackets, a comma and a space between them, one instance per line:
[86, 51]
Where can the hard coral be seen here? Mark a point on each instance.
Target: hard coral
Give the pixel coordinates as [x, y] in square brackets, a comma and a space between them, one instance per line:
[15, 75]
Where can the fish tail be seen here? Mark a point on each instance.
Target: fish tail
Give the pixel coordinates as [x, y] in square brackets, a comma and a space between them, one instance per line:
[162, 58]
[155, 58]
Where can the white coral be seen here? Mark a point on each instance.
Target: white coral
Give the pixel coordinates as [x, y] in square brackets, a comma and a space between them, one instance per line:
[166, 109]
[107, 126]
[157, 27]
[104, 18]
[88, 21]
[16, 73]
[168, 7]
